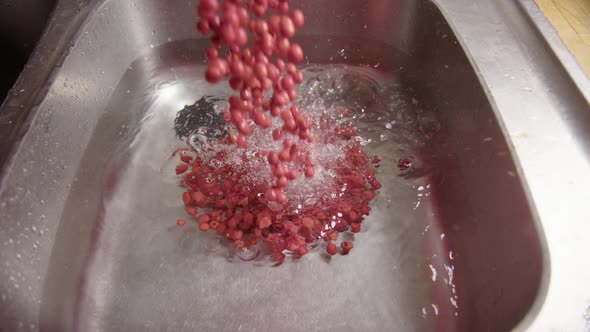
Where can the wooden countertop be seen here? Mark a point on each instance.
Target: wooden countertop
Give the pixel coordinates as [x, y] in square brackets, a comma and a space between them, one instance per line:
[571, 18]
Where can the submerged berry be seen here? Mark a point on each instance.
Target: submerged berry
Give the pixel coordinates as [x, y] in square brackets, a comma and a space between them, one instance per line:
[404, 163]
[331, 249]
[181, 168]
[346, 247]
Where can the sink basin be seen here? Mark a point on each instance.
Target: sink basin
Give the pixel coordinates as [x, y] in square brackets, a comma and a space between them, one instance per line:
[88, 211]
[20, 29]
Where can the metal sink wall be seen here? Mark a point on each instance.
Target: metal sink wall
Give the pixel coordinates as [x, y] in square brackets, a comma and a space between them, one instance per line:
[66, 269]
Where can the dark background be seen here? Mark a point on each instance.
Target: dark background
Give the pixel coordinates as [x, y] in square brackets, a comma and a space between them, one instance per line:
[21, 24]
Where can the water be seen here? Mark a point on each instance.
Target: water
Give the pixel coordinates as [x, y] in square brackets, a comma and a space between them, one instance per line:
[185, 274]
[369, 99]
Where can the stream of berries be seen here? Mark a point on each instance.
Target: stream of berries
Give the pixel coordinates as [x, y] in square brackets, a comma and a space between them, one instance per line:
[302, 198]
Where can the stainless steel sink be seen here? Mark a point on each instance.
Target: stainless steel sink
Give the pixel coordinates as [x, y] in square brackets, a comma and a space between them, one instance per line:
[87, 210]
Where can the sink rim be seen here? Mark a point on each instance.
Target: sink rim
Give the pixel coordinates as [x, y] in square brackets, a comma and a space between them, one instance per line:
[528, 8]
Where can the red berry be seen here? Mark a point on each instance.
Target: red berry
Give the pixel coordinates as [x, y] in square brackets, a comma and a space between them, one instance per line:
[191, 211]
[186, 158]
[307, 222]
[236, 234]
[295, 53]
[298, 18]
[273, 159]
[282, 181]
[278, 257]
[287, 27]
[302, 251]
[331, 249]
[274, 23]
[298, 77]
[375, 184]
[276, 134]
[346, 247]
[213, 74]
[355, 228]
[284, 155]
[204, 218]
[280, 64]
[270, 195]
[181, 168]
[228, 33]
[199, 198]
[203, 27]
[264, 222]
[281, 197]
[283, 46]
[242, 141]
[309, 171]
[186, 198]
[260, 70]
[211, 5]
[404, 163]
[287, 82]
[283, 7]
